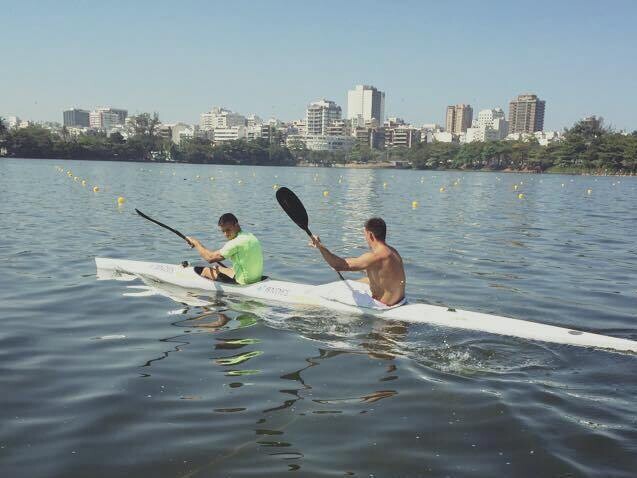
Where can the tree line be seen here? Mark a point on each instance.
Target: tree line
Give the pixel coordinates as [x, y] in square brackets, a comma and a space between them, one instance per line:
[588, 146]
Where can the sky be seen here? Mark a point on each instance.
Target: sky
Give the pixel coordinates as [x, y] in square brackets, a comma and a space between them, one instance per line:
[274, 57]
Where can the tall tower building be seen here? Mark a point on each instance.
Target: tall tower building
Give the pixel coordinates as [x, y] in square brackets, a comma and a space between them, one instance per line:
[526, 114]
[320, 115]
[365, 103]
[458, 118]
[76, 117]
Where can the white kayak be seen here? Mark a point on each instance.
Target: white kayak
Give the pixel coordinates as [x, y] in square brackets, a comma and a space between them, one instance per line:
[353, 297]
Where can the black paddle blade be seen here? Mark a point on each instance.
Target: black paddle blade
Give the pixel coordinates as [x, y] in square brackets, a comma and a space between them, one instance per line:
[294, 208]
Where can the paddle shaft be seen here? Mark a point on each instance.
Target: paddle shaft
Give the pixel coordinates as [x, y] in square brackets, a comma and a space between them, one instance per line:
[175, 231]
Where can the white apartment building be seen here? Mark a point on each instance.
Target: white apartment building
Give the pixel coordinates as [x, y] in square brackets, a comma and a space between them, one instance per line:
[365, 103]
[13, 121]
[543, 137]
[319, 115]
[253, 120]
[491, 125]
[444, 137]
[181, 131]
[220, 118]
[103, 119]
[232, 133]
[298, 127]
[323, 142]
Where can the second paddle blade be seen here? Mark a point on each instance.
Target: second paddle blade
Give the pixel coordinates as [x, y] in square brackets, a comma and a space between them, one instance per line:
[293, 206]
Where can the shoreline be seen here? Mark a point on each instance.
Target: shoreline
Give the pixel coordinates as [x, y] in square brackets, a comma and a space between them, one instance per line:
[383, 165]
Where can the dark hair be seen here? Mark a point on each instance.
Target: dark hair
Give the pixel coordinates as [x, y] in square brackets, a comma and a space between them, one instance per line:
[228, 218]
[377, 227]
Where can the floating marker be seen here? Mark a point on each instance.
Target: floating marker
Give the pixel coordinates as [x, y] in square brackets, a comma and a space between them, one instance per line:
[520, 196]
[562, 184]
[442, 189]
[276, 186]
[414, 204]
[589, 191]
[96, 189]
[120, 200]
[384, 185]
[240, 181]
[83, 182]
[326, 193]
[515, 187]
[212, 178]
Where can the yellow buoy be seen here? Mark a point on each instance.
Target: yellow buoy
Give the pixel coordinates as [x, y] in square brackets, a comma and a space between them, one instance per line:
[326, 193]
[442, 189]
[384, 185]
[96, 189]
[240, 181]
[276, 186]
[198, 176]
[414, 204]
[120, 200]
[212, 178]
[83, 183]
[75, 178]
[515, 187]
[562, 184]
[520, 196]
[589, 191]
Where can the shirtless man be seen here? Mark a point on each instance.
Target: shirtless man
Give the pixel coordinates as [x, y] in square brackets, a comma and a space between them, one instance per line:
[242, 248]
[383, 264]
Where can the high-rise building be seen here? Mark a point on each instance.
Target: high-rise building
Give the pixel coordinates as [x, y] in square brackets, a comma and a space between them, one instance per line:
[458, 118]
[76, 118]
[526, 114]
[365, 103]
[320, 115]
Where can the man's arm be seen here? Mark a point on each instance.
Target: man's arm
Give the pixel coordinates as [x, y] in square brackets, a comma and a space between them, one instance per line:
[206, 254]
[360, 263]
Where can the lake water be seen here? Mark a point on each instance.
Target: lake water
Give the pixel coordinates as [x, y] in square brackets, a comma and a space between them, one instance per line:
[102, 379]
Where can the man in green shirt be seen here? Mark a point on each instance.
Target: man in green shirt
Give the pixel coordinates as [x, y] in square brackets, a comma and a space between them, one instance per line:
[242, 248]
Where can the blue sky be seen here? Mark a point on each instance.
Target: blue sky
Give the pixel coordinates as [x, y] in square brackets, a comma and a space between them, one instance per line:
[272, 58]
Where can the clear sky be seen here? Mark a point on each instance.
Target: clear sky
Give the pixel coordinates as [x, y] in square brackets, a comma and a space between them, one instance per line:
[272, 58]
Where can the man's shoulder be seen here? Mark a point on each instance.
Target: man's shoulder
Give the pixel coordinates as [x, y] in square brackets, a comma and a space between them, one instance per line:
[248, 236]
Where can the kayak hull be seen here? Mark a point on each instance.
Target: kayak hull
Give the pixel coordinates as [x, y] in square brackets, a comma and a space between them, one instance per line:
[338, 296]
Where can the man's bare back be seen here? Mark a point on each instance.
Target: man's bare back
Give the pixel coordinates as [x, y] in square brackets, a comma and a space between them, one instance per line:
[387, 276]
[383, 264]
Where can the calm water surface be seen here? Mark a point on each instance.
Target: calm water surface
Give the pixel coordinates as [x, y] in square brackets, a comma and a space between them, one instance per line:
[108, 379]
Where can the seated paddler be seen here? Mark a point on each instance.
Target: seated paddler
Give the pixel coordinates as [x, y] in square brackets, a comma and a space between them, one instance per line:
[242, 248]
[383, 265]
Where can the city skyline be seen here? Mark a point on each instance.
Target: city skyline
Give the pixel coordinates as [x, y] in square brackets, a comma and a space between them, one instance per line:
[577, 60]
